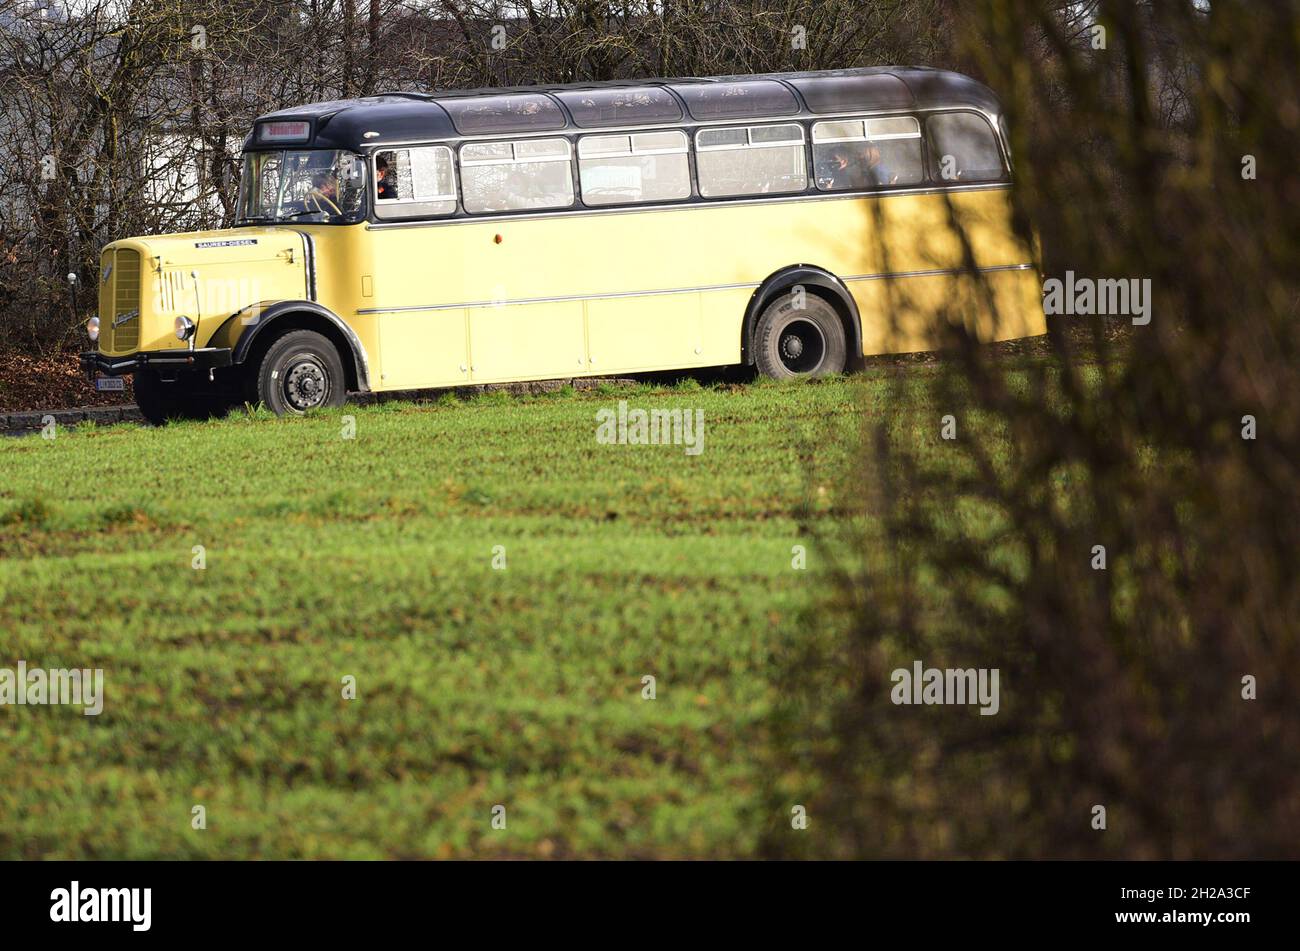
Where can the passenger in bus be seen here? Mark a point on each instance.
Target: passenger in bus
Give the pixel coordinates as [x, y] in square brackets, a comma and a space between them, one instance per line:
[383, 180]
[324, 191]
[876, 168]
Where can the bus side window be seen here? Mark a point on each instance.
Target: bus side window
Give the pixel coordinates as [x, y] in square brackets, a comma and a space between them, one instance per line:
[513, 176]
[963, 148]
[851, 154]
[635, 167]
[415, 183]
[754, 160]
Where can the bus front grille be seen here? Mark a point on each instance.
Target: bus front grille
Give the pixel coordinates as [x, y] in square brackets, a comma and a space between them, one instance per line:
[126, 301]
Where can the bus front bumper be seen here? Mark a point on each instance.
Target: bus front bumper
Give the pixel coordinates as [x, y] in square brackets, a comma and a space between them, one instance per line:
[166, 362]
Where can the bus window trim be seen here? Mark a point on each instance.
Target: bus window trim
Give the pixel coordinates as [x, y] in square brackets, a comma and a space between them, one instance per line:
[991, 120]
[569, 159]
[633, 150]
[390, 202]
[514, 153]
[749, 138]
[805, 123]
[866, 135]
[692, 189]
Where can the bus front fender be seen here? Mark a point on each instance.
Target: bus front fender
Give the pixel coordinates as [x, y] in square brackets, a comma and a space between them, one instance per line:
[241, 331]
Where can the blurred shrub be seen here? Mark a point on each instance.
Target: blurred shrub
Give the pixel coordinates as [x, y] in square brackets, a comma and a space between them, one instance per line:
[1120, 687]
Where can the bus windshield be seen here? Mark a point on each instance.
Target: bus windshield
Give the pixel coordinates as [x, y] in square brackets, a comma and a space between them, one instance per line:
[304, 185]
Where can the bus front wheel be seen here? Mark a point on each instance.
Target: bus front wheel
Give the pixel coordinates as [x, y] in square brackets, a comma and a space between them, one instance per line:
[792, 341]
[299, 371]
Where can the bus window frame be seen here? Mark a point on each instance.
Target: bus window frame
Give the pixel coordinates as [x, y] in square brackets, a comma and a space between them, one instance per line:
[571, 160]
[866, 118]
[692, 186]
[1004, 155]
[696, 197]
[749, 125]
[456, 196]
[364, 214]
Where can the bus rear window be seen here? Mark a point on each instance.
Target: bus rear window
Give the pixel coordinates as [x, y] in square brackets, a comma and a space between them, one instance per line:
[963, 148]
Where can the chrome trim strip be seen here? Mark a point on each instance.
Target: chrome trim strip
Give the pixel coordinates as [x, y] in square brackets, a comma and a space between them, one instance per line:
[309, 251]
[697, 204]
[558, 300]
[936, 272]
[888, 275]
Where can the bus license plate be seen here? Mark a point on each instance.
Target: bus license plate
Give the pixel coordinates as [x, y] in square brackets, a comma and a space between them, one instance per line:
[109, 384]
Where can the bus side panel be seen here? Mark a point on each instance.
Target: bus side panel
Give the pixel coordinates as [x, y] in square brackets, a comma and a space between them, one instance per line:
[644, 333]
[526, 341]
[668, 288]
[902, 315]
[413, 268]
[345, 284]
[724, 318]
[424, 348]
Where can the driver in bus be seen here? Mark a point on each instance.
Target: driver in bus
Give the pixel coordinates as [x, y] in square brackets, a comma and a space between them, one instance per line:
[323, 194]
[840, 172]
[384, 183]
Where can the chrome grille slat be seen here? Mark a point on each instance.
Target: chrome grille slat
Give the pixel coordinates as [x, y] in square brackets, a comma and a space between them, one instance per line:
[126, 299]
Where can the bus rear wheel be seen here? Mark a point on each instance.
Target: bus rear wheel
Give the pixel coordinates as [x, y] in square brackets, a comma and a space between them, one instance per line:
[300, 371]
[792, 342]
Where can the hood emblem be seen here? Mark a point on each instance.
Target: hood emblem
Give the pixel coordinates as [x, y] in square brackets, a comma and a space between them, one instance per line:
[123, 318]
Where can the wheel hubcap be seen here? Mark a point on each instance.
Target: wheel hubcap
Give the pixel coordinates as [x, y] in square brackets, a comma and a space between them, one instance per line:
[306, 385]
[801, 346]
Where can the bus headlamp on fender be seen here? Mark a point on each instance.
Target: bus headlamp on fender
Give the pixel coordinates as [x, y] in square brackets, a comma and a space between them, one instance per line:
[184, 328]
[92, 329]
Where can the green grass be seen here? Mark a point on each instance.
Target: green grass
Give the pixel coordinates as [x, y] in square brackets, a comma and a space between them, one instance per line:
[372, 557]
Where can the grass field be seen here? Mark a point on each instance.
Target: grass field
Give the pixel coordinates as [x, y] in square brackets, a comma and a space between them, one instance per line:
[372, 557]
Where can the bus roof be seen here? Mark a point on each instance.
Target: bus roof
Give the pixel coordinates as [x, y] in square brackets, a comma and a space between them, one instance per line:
[394, 117]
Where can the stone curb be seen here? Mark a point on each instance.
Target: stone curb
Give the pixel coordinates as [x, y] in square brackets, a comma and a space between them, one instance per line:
[33, 420]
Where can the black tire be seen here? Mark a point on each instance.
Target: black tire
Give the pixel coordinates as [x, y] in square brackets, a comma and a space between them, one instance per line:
[161, 401]
[791, 343]
[298, 372]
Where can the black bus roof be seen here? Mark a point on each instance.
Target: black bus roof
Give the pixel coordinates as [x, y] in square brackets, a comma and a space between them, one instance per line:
[394, 117]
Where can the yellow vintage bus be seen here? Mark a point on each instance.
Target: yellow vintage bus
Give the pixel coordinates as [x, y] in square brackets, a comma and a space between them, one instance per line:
[794, 222]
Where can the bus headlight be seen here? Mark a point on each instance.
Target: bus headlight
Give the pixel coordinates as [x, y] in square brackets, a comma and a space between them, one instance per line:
[92, 329]
[184, 328]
